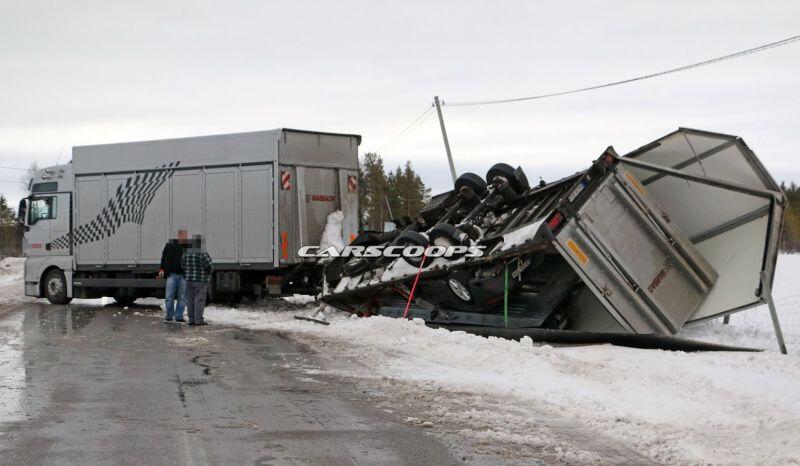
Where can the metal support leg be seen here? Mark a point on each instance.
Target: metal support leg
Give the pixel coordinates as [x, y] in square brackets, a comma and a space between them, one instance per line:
[324, 278]
[767, 290]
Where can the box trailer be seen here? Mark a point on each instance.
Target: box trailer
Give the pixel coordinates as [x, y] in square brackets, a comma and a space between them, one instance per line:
[96, 226]
[682, 230]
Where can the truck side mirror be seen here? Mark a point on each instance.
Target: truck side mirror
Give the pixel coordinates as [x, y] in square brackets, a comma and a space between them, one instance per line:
[22, 211]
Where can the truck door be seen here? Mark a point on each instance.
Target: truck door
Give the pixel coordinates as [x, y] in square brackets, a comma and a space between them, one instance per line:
[60, 226]
[48, 225]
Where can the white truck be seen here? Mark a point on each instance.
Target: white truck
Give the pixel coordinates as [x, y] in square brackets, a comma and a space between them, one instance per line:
[96, 226]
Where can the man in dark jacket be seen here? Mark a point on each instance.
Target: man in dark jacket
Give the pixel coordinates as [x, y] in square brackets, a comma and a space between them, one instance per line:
[172, 269]
[197, 264]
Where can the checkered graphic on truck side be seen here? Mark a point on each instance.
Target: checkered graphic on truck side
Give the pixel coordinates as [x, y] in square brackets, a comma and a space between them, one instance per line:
[128, 205]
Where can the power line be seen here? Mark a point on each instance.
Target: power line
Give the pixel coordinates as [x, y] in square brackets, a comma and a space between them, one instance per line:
[408, 129]
[10, 181]
[742, 53]
[14, 168]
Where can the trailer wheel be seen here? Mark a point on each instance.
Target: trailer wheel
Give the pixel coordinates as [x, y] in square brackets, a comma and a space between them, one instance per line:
[355, 266]
[458, 284]
[516, 179]
[333, 271]
[471, 181]
[446, 235]
[55, 287]
[473, 232]
[366, 238]
[413, 238]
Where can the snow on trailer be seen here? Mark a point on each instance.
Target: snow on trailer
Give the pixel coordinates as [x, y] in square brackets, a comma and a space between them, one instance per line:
[681, 230]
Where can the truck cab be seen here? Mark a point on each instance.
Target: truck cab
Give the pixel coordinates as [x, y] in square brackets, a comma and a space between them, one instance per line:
[46, 215]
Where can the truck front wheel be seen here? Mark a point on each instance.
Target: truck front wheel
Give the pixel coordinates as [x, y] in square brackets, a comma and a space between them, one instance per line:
[55, 287]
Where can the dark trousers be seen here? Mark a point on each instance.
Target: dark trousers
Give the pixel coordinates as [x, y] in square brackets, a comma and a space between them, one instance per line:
[196, 300]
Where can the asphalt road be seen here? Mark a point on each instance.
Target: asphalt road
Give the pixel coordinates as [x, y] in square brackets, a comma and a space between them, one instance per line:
[87, 385]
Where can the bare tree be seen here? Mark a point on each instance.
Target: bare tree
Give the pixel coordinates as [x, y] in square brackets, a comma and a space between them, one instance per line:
[28, 176]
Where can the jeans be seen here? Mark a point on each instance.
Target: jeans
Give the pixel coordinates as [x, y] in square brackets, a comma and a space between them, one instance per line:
[196, 295]
[176, 284]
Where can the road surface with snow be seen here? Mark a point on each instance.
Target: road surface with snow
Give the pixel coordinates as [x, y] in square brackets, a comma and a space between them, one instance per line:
[90, 384]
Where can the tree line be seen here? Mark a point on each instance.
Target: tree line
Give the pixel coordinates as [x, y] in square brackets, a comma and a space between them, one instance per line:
[387, 195]
[10, 230]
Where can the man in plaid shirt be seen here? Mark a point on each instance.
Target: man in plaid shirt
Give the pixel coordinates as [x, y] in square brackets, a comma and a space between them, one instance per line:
[197, 268]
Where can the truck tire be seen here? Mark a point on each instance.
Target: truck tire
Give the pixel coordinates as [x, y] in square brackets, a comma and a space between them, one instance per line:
[352, 266]
[55, 287]
[517, 180]
[367, 238]
[458, 284]
[473, 232]
[471, 181]
[445, 234]
[413, 238]
[123, 298]
[355, 266]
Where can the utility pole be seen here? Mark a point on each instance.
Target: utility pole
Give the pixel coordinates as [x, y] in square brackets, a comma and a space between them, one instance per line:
[444, 135]
[391, 215]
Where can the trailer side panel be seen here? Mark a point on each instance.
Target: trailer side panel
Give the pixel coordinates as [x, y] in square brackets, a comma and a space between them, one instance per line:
[256, 225]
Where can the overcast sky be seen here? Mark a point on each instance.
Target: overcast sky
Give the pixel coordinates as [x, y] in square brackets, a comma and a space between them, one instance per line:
[77, 73]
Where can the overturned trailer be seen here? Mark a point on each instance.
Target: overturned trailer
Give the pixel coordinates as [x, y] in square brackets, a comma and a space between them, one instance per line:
[682, 230]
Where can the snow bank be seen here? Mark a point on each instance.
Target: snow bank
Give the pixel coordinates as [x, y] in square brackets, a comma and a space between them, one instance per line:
[12, 282]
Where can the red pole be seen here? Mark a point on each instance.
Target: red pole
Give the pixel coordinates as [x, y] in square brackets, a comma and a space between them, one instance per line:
[414, 286]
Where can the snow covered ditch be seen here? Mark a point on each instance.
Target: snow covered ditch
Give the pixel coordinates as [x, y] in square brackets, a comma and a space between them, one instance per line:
[668, 406]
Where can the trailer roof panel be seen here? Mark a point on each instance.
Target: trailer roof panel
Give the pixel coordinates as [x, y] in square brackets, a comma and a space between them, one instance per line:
[211, 150]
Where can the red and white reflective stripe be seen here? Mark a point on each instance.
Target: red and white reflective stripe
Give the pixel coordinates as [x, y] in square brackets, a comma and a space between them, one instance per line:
[286, 180]
[352, 183]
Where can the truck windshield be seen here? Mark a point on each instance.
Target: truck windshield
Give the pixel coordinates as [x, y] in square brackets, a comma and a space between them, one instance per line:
[47, 187]
[42, 208]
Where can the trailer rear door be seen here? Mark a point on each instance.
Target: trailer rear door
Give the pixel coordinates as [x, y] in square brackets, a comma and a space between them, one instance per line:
[319, 197]
[638, 264]
[725, 201]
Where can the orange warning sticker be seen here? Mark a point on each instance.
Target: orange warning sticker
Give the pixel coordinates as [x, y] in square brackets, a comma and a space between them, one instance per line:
[577, 252]
[634, 182]
[285, 245]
